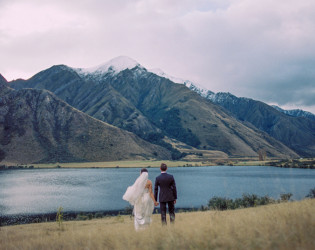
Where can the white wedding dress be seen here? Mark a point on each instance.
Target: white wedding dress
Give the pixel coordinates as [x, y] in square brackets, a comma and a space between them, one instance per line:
[139, 196]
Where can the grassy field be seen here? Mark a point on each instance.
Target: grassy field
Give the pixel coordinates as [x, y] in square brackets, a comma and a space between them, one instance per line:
[115, 164]
[280, 226]
[120, 164]
[155, 163]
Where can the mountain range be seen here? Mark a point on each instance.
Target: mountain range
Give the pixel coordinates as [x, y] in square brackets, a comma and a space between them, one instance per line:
[36, 126]
[296, 112]
[154, 107]
[295, 128]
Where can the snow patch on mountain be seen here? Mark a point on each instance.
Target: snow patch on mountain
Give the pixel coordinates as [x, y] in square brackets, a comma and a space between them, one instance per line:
[192, 86]
[113, 66]
[296, 112]
[161, 73]
[122, 63]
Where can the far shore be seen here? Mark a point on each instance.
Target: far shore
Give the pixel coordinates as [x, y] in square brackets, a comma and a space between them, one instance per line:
[109, 164]
[308, 163]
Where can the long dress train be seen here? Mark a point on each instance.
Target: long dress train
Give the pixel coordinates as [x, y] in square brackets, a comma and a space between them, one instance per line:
[139, 196]
[143, 210]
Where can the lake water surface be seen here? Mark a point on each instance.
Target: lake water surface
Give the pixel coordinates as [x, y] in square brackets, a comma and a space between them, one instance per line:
[44, 190]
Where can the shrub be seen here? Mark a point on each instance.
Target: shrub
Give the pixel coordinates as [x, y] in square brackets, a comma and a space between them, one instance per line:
[250, 200]
[311, 194]
[285, 197]
[81, 217]
[98, 215]
[129, 210]
[36, 220]
[59, 217]
[218, 203]
[265, 200]
[247, 200]
[204, 208]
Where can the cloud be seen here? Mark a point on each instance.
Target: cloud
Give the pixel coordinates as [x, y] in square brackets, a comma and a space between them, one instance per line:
[253, 48]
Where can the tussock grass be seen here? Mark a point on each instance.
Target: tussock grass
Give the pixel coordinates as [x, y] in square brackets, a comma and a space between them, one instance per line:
[288, 225]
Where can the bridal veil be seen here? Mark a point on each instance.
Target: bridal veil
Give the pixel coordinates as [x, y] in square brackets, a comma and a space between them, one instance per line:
[134, 192]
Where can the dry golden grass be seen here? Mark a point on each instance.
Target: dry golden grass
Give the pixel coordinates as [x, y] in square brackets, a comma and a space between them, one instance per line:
[188, 160]
[141, 164]
[113, 164]
[281, 226]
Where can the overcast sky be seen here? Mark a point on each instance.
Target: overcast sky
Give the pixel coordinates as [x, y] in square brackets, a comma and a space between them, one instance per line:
[261, 49]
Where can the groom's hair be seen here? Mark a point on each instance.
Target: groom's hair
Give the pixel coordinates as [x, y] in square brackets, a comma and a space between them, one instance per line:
[163, 167]
[143, 170]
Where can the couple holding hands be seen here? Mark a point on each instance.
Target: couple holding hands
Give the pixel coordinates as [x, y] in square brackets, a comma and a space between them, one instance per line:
[141, 196]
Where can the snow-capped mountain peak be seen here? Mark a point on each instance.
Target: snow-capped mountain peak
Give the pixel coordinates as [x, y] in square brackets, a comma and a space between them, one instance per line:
[118, 64]
[161, 73]
[113, 66]
[192, 86]
[295, 112]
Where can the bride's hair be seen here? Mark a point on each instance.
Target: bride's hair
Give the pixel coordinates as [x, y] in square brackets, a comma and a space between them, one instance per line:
[143, 170]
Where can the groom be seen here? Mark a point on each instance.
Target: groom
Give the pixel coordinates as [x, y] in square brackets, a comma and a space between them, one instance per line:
[168, 193]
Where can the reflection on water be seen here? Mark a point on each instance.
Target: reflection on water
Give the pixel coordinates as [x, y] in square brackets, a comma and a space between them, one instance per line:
[44, 190]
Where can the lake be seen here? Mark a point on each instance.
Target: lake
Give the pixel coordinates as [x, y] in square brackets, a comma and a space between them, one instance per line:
[36, 191]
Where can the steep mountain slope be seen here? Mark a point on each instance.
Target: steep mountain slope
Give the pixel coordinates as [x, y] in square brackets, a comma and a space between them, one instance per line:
[297, 133]
[128, 96]
[184, 115]
[296, 112]
[3, 81]
[90, 94]
[4, 86]
[296, 128]
[36, 126]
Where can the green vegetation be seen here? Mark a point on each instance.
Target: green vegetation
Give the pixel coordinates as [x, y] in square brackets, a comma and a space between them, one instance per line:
[157, 138]
[294, 163]
[311, 194]
[248, 200]
[170, 122]
[172, 125]
[99, 215]
[306, 163]
[285, 197]
[59, 218]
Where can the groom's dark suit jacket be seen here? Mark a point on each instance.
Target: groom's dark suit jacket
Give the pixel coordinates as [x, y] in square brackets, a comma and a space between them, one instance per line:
[167, 186]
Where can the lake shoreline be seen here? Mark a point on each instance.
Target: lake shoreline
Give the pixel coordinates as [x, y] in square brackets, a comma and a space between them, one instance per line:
[22, 219]
[28, 196]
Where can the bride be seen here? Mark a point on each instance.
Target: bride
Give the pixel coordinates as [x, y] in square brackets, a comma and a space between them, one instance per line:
[140, 195]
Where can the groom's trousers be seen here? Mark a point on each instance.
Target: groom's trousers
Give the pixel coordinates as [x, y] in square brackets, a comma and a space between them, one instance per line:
[171, 210]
